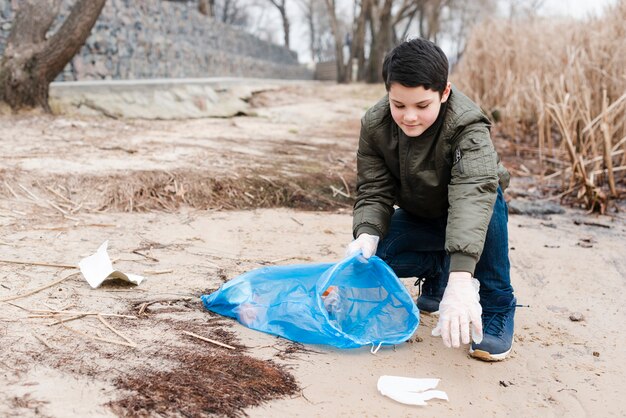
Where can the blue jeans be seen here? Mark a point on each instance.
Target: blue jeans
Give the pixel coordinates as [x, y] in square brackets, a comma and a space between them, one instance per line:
[414, 247]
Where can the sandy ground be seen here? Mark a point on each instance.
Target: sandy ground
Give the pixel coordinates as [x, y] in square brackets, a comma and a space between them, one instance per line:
[562, 266]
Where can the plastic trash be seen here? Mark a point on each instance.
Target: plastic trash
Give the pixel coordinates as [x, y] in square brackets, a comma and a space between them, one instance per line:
[349, 304]
[332, 302]
[98, 267]
[409, 390]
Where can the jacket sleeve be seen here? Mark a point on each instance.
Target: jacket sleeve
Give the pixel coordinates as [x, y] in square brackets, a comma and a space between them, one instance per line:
[375, 188]
[471, 195]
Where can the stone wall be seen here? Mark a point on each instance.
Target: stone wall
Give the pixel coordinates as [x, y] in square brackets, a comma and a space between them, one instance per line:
[138, 39]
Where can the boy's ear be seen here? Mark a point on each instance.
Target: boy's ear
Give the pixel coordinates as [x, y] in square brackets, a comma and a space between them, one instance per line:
[446, 93]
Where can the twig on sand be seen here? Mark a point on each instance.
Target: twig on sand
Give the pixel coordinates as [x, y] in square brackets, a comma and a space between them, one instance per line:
[345, 184]
[135, 289]
[52, 228]
[38, 263]
[105, 340]
[295, 257]
[145, 255]
[161, 300]
[142, 308]
[578, 222]
[18, 306]
[230, 347]
[71, 318]
[155, 272]
[11, 190]
[42, 340]
[101, 225]
[297, 221]
[50, 306]
[336, 192]
[119, 334]
[80, 313]
[39, 289]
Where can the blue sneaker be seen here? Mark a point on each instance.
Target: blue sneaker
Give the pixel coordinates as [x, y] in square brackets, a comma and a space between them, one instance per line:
[430, 293]
[497, 330]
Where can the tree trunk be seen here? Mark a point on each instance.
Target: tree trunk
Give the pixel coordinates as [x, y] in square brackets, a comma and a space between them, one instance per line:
[309, 14]
[358, 43]
[286, 27]
[434, 19]
[381, 41]
[281, 5]
[31, 62]
[334, 25]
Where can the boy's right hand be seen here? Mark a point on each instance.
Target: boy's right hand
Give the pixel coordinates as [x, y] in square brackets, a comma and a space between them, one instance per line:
[365, 243]
[460, 311]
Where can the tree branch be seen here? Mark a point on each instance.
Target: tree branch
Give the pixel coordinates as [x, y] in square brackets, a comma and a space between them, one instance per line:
[407, 10]
[68, 40]
[279, 6]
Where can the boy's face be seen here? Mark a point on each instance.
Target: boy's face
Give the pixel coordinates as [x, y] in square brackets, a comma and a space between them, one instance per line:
[415, 109]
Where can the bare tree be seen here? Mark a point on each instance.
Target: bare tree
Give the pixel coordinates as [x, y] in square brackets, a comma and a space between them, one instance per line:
[373, 22]
[379, 25]
[404, 16]
[310, 17]
[31, 61]
[342, 69]
[315, 17]
[357, 50]
[281, 6]
[463, 16]
[232, 12]
[430, 18]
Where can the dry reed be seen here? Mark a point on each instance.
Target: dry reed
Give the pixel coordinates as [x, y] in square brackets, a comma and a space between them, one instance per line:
[564, 81]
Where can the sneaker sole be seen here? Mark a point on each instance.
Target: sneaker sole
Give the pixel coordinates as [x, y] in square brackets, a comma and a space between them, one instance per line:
[429, 313]
[485, 356]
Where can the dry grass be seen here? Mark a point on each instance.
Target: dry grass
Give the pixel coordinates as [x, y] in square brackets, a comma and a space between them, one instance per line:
[161, 190]
[558, 86]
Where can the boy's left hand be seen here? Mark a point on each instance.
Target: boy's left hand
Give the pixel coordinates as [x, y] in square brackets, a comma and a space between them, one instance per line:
[365, 243]
[459, 310]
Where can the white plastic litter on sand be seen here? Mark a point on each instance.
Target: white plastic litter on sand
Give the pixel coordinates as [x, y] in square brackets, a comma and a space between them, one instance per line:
[98, 267]
[409, 390]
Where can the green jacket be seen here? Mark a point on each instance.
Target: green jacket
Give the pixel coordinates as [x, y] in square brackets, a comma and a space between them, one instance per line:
[452, 168]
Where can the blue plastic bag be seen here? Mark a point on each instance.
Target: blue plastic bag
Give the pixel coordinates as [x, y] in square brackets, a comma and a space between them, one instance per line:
[349, 304]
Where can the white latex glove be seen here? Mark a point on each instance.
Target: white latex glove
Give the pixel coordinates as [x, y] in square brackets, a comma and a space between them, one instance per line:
[365, 243]
[460, 310]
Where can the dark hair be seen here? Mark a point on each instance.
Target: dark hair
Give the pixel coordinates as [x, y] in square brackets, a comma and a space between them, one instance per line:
[414, 63]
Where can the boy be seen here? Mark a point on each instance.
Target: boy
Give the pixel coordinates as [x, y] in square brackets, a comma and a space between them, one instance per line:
[426, 148]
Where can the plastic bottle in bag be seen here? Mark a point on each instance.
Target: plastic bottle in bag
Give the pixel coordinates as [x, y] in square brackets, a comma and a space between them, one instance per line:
[333, 302]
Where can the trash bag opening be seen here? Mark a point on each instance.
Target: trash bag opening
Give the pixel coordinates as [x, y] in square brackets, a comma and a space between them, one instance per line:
[365, 301]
